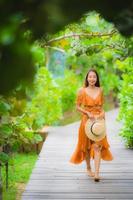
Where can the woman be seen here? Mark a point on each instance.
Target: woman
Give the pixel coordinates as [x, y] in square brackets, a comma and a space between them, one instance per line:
[89, 102]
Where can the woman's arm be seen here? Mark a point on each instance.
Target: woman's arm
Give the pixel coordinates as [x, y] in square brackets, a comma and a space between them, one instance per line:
[80, 109]
[79, 101]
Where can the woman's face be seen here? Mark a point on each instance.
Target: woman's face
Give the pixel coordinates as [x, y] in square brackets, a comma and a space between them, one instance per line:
[92, 78]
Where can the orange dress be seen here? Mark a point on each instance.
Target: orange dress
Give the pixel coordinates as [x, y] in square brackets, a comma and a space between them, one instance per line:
[84, 143]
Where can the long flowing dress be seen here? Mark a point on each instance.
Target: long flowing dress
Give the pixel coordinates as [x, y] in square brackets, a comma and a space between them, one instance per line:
[84, 144]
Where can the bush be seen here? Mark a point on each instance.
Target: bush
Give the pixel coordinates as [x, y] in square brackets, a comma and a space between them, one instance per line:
[126, 100]
[68, 85]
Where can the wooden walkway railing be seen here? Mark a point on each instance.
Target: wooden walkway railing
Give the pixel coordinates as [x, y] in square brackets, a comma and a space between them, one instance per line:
[55, 178]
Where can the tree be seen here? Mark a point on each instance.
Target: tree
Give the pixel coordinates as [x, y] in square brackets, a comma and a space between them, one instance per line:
[23, 22]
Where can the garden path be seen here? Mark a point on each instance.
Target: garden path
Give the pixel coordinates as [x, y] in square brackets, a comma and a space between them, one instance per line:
[54, 177]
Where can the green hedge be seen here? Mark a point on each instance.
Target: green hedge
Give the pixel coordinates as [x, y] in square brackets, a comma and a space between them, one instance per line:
[126, 100]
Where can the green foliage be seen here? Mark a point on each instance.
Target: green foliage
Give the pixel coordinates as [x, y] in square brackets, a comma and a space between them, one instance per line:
[126, 100]
[38, 54]
[6, 131]
[4, 107]
[25, 110]
[45, 105]
[4, 158]
[68, 85]
[29, 20]
[21, 66]
[95, 23]
[99, 49]
[20, 168]
[13, 134]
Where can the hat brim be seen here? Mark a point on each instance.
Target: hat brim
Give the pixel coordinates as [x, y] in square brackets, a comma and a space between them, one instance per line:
[90, 134]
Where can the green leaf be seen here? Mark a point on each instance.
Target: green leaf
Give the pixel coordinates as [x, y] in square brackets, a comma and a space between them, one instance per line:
[3, 157]
[4, 107]
[6, 130]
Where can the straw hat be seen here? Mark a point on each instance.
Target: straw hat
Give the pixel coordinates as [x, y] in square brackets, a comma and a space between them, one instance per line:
[95, 130]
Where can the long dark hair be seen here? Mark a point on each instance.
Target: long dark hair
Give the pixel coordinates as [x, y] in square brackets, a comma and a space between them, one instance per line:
[86, 83]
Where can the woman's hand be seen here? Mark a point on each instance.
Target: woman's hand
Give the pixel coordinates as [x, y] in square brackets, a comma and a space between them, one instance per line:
[90, 115]
[100, 116]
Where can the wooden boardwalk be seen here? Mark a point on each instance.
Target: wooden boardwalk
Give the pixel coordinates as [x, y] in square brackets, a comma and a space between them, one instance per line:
[54, 177]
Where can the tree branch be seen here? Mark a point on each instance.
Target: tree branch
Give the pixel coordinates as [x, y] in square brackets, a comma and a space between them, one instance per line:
[55, 48]
[80, 35]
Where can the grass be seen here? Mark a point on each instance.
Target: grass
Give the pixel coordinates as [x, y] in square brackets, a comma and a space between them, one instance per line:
[20, 168]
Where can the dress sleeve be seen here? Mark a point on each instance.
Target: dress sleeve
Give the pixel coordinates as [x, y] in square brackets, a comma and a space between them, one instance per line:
[79, 97]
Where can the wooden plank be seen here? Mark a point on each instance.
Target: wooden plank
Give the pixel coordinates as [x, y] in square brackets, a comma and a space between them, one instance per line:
[76, 195]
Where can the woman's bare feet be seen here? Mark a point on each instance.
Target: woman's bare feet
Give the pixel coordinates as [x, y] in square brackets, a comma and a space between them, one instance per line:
[96, 177]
